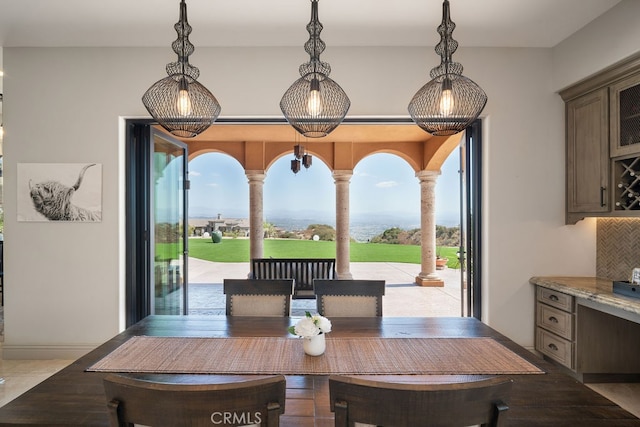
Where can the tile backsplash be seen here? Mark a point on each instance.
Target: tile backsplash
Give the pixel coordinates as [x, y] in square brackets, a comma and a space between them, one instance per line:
[617, 247]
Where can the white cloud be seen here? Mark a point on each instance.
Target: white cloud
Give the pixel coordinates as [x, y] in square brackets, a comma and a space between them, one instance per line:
[194, 173]
[387, 184]
[213, 184]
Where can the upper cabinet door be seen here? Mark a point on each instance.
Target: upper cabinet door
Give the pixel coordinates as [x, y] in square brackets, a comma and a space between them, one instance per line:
[625, 117]
[587, 156]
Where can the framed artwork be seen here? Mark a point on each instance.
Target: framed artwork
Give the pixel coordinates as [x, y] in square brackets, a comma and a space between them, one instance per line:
[59, 192]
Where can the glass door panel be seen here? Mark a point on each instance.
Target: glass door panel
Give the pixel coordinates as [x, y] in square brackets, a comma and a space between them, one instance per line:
[169, 243]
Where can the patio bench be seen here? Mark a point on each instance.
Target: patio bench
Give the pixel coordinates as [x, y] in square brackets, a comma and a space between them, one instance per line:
[301, 270]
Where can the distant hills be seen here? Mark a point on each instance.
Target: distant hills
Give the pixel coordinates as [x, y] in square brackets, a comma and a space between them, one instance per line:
[363, 226]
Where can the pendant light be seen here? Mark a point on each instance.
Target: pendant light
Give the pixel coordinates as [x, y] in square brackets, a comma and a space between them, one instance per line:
[314, 104]
[450, 102]
[301, 158]
[178, 102]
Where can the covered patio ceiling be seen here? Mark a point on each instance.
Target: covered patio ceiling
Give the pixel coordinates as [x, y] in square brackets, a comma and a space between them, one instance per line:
[257, 143]
[360, 132]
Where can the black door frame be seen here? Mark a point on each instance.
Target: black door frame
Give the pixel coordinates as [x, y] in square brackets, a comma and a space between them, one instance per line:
[138, 223]
[137, 201]
[471, 238]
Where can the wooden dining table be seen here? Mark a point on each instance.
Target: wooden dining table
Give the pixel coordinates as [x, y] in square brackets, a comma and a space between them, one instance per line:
[74, 396]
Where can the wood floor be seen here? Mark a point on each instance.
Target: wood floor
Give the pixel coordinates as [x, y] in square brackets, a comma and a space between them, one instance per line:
[21, 375]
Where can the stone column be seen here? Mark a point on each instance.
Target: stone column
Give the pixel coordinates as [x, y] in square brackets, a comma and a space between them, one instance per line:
[428, 276]
[256, 212]
[343, 237]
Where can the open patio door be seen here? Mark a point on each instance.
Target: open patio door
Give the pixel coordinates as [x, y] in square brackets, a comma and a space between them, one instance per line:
[157, 248]
[470, 251]
[169, 187]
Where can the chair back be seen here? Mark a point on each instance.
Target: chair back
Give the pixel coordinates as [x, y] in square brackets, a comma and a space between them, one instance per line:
[349, 298]
[302, 270]
[369, 402]
[134, 401]
[253, 297]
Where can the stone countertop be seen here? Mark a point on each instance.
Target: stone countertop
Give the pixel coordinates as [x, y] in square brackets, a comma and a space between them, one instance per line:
[591, 288]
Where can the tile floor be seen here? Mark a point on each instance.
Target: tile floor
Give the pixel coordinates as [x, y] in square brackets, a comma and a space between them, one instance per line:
[402, 298]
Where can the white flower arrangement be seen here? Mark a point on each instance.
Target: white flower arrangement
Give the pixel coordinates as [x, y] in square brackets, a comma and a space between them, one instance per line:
[310, 326]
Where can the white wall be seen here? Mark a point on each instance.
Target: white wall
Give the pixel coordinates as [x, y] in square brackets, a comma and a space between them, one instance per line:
[608, 39]
[64, 281]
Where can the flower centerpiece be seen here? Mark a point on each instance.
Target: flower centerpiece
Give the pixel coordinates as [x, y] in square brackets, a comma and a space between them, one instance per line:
[312, 329]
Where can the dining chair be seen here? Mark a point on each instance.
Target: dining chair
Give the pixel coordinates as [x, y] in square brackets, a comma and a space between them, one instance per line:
[253, 402]
[364, 402]
[349, 298]
[258, 297]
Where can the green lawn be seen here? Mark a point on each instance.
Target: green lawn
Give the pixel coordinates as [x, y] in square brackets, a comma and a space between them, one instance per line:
[237, 250]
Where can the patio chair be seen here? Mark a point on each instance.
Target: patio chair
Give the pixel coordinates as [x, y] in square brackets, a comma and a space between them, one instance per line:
[349, 298]
[253, 297]
[135, 401]
[370, 403]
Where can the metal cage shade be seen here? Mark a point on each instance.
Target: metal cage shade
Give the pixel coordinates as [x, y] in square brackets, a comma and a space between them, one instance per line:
[178, 102]
[450, 102]
[163, 101]
[315, 118]
[314, 105]
[448, 116]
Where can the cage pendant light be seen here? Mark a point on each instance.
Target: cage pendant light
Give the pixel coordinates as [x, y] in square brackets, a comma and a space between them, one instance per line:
[178, 102]
[450, 102]
[314, 104]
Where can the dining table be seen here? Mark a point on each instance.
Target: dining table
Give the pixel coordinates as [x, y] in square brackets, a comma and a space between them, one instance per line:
[547, 397]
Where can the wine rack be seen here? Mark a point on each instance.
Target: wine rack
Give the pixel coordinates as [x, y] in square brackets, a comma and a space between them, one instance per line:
[627, 186]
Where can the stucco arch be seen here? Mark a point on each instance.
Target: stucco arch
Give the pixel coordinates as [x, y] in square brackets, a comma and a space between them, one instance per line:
[202, 152]
[401, 155]
[256, 146]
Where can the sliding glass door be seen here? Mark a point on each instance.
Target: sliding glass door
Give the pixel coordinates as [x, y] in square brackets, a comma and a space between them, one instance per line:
[169, 220]
[156, 223]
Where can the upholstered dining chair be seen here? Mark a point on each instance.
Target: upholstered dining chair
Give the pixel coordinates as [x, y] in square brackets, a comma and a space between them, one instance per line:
[258, 297]
[253, 402]
[349, 298]
[364, 402]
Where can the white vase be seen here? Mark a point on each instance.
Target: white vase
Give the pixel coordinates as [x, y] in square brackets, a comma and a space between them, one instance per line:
[314, 346]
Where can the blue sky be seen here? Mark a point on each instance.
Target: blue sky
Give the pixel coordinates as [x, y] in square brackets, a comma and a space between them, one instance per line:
[382, 185]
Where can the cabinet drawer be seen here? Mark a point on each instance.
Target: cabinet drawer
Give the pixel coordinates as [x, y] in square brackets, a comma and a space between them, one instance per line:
[556, 299]
[555, 347]
[557, 321]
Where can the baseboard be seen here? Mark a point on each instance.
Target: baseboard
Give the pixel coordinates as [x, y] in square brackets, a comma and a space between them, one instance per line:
[45, 352]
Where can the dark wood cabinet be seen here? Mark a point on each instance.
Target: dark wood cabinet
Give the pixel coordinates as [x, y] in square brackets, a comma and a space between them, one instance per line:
[585, 327]
[602, 118]
[587, 155]
[625, 117]
[555, 330]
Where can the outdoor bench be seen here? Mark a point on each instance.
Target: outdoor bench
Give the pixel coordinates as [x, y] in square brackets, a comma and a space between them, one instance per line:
[301, 270]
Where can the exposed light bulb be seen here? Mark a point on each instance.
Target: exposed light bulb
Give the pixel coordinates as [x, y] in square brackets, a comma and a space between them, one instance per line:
[314, 100]
[446, 99]
[314, 103]
[184, 102]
